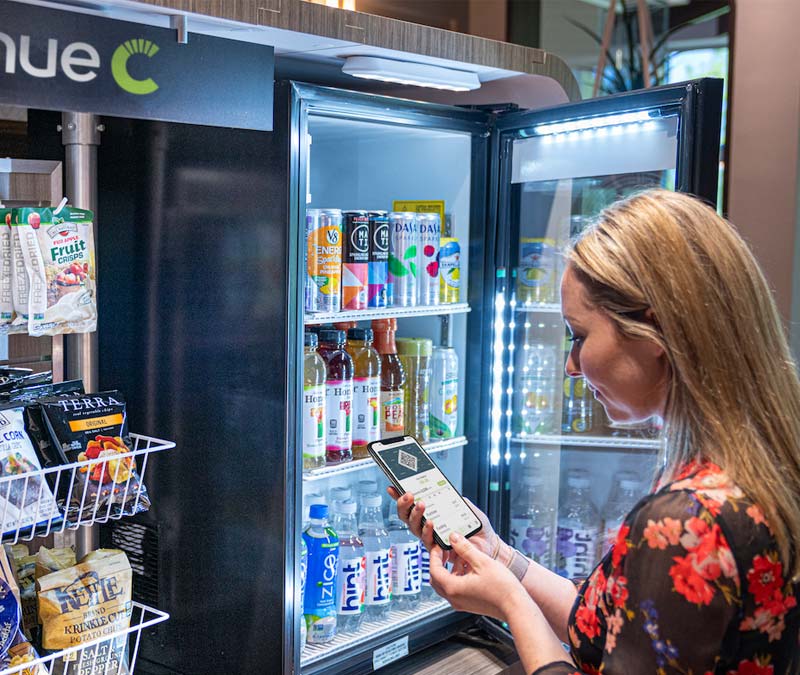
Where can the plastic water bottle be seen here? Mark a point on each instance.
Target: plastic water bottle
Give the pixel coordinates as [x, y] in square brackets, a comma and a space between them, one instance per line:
[350, 576]
[625, 492]
[427, 591]
[319, 603]
[309, 500]
[533, 520]
[578, 535]
[338, 494]
[406, 572]
[303, 569]
[378, 551]
[540, 379]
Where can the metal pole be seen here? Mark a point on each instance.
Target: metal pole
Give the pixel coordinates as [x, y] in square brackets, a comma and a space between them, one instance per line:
[80, 134]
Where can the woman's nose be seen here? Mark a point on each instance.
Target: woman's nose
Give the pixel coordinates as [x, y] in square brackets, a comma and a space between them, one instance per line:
[572, 366]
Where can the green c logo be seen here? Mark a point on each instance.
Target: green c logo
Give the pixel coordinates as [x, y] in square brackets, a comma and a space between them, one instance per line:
[119, 66]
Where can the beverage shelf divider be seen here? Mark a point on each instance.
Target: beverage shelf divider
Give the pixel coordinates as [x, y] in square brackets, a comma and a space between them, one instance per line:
[589, 441]
[387, 313]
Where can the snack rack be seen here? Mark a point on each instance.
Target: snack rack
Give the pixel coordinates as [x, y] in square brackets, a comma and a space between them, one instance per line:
[64, 483]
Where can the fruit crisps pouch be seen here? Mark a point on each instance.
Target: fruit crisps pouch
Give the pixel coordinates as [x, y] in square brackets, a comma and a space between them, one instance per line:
[25, 500]
[58, 250]
[89, 427]
[20, 285]
[6, 269]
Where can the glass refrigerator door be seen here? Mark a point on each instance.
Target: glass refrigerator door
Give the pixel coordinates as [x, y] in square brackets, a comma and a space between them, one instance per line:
[569, 473]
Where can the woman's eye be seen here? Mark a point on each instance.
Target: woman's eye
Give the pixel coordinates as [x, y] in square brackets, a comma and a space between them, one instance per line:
[576, 339]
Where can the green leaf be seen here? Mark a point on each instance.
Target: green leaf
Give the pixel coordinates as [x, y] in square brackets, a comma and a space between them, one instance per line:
[411, 252]
[413, 267]
[396, 268]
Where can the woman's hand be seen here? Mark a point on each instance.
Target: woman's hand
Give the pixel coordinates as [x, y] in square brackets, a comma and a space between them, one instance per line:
[477, 583]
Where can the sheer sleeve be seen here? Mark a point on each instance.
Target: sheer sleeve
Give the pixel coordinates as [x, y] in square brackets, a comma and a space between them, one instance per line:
[557, 668]
[671, 591]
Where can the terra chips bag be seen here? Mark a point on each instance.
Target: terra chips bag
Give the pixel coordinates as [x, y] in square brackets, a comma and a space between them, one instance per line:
[95, 427]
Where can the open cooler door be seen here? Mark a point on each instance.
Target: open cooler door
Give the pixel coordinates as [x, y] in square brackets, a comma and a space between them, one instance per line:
[565, 474]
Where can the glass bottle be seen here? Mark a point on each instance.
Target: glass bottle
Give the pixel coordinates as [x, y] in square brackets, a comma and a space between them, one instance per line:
[393, 378]
[366, 389]
[338, 396]
[415, 355]
[314, 372]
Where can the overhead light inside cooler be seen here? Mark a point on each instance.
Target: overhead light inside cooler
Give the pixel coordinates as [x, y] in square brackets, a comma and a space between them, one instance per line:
[407, 72]
[593, 123]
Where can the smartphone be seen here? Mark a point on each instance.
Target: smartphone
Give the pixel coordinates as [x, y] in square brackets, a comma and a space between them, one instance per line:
[411, 469]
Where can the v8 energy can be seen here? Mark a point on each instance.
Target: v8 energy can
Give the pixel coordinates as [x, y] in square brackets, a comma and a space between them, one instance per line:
[323, 260]
[378, 293]
[355, 260]
[430, 232]
[449, 270]
[403, 243]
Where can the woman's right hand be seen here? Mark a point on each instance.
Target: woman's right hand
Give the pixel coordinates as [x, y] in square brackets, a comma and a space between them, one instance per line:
[486, 540]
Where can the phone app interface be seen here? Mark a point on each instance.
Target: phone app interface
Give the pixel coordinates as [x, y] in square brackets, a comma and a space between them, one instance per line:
[418, 475]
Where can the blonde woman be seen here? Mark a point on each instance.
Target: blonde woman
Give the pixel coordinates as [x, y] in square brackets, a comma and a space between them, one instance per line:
[670, 315]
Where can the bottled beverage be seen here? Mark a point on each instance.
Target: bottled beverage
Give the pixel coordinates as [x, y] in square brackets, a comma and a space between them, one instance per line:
[378, 259]
[364, 487]
[338, 494]
[366, 389]
[309, 500]
[626, 490]
[533, 519]
[355, 260]
[406, 572]
[323, 260]
[415, 354]
[430, 232]
[577, 415]
[393, 378]
[351, 572]
[303, 570]
[427, 591]
[338, 396]
[449, 270]
[444, 393]
[313, 404]
[403, 273]
[578, 534]
[540, 378]
[319, 603]
[378, 552]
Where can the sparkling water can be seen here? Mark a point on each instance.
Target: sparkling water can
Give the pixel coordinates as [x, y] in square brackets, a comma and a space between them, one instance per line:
[449, 270]
[430, 231]
[378, 293]
[403, 272]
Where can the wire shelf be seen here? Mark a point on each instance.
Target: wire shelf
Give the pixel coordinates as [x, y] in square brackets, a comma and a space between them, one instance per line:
[83, 657]
[398, 618]
[538, 308]
[387, 313]
[590, 441]
[359, 464]
[34, 503]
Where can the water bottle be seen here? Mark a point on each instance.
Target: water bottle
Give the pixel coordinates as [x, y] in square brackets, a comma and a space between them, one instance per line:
[427, 591]
[378, 552]
[539, 384]
[303, 569]
[533, 520]
[406, 572]
[350, 575]
[364, 487]
[578, 533]
[338, 494]
[319, 603]
[625, 492]
[309, 500]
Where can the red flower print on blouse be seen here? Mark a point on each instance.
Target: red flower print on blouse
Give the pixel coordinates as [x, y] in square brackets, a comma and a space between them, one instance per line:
[765, 578]
[689, 583]
[752, 668]
[620, 547]
[618, 589]
[588, 622]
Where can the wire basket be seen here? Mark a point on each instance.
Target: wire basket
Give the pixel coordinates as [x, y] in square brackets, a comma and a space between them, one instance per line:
[38, 503]
[92, 657]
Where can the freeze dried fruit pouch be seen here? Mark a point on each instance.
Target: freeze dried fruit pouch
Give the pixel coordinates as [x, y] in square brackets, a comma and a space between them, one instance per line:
[85, 602]
[25, 500]
[95, 427]
[58, 249]
[6, 269]
[20, 286]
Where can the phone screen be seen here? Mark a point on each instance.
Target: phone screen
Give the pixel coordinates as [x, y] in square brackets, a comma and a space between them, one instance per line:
[416, 473]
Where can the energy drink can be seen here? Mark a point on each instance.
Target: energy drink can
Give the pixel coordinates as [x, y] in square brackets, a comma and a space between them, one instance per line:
[449, 270]
[403, 244]
[378, 293]
[430, 231]
[355, 260]
[323, 260]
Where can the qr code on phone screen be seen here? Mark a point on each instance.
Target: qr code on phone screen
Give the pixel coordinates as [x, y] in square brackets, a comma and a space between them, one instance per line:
[406, 460]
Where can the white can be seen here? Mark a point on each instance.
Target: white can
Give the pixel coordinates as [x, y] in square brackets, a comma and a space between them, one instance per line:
[430, 233]
[444, 393]
[403, 246]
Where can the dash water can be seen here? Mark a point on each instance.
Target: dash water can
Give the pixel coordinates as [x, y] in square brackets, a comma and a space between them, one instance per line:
[430, 232]
[449, 270]
[378, 293]
[355, 260]
[323, 260]
[403, 272]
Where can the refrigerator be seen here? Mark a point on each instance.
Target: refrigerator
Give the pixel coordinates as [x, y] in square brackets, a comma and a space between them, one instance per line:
[202, 322]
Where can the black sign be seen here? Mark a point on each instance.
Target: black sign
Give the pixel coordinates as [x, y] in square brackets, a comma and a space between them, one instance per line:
[60, 60]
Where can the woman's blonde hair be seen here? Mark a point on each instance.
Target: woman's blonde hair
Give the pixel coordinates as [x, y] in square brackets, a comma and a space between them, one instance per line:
[734, 394]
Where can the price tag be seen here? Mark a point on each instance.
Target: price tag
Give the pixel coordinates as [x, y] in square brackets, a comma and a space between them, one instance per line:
[391, 652]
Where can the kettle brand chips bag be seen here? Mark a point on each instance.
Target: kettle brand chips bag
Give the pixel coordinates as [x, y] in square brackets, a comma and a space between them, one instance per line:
[95, 426]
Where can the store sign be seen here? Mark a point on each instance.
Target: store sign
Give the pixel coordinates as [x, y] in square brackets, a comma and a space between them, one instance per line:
[61, 60]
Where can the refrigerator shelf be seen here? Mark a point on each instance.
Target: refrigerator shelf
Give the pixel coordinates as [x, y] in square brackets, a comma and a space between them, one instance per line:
[358, 464]
[387, 313]
[34, 490]
[538, 308]
[590, 441]
[406, 618]
[82, 657]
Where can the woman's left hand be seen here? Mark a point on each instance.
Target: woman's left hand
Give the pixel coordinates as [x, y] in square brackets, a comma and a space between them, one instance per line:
[477, 583]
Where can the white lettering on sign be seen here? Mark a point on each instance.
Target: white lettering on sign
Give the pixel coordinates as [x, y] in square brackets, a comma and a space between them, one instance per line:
[75, 55]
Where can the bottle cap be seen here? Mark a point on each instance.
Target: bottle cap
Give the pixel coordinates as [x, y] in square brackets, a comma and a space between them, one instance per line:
[310, 340]
[318, 511]
[346, 507]
[361, 334]
[578, 482]
[366, 486]
[630, 484]
[314, 498]
[339, 494]
[419, 347]
[336, 337]
[372, 501]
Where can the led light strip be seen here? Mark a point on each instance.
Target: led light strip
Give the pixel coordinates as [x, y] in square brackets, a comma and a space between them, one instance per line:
[592, 123]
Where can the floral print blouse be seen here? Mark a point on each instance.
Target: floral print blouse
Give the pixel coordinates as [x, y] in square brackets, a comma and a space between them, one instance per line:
[693, 585]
